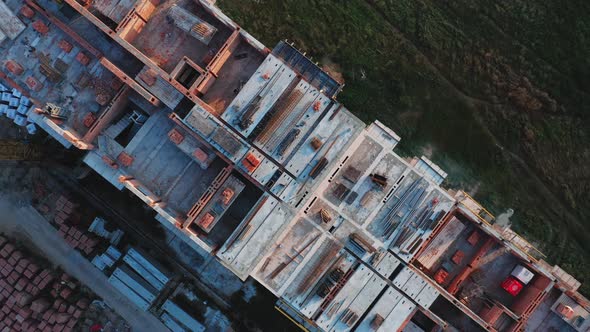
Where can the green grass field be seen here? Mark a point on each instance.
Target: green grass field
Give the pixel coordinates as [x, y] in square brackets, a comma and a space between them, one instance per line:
[496, 92]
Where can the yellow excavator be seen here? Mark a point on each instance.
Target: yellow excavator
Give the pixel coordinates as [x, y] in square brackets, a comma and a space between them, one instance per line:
[18, 150]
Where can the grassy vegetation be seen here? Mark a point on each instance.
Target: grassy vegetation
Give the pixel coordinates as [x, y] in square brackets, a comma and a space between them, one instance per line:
[495, 92]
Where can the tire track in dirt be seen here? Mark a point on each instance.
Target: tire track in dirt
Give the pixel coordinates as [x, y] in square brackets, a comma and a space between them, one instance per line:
[515, 40]
[572, 222]
[475, 102]
[426, 61]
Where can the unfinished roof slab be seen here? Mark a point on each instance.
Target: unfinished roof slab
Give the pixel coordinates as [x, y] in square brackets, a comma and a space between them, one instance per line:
[10, 25]
[315, 161]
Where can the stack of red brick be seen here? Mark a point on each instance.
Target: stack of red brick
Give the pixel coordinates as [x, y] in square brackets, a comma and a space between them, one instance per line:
[32, 298]
[65, 213]
[65, 210]
[85, 243]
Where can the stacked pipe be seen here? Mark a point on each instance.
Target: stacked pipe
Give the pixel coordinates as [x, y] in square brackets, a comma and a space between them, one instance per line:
[405, 206]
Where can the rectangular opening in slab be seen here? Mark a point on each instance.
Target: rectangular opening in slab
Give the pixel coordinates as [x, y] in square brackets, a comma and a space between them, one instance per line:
[224, 209]
[420, 322]
[186, 74]
[450, 313]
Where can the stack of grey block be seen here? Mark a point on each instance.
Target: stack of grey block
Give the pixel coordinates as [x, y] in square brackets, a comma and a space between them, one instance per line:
[16, 107]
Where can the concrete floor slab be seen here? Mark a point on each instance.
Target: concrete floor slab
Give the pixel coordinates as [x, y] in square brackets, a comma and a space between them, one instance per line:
[268, 83]
[378, 225]
[383, 308]
[346, 296]
[299, 293]
[166, 170]
[362, 302]
[390, 166]
[293, 248]
[166, 44]
[335, 130]
[233, 75]
[365, 154]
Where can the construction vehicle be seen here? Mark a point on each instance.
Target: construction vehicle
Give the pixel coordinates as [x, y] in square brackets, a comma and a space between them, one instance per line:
[54, 111]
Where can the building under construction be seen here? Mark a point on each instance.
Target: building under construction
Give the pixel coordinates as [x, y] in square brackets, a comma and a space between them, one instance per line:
[245, 153]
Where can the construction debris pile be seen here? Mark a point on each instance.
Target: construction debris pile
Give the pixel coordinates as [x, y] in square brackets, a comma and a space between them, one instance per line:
[99, 317]
[68, 221]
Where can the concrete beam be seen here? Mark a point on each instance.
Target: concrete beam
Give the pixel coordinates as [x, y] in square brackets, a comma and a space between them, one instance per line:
[130, 81]
[181, 124]
[223, 54]
[135, 52]
[66, 29]
[111, 33]
[117, 105]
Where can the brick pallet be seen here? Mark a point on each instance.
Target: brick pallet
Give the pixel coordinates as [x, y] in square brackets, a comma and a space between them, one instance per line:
[65, 216]
[34, 298]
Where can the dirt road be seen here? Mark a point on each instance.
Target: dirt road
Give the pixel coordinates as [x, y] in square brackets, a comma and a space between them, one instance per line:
[25, 223]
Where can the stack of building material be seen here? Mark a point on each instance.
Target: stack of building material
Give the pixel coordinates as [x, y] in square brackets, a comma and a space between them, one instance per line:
[35, 299]
[98, 227]
[65, 213]
[178, 320]
[149, 269]
[140, 278]
[194, 26]
[107, 259]
[134, 287]
[77, 239]
[15, 106]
